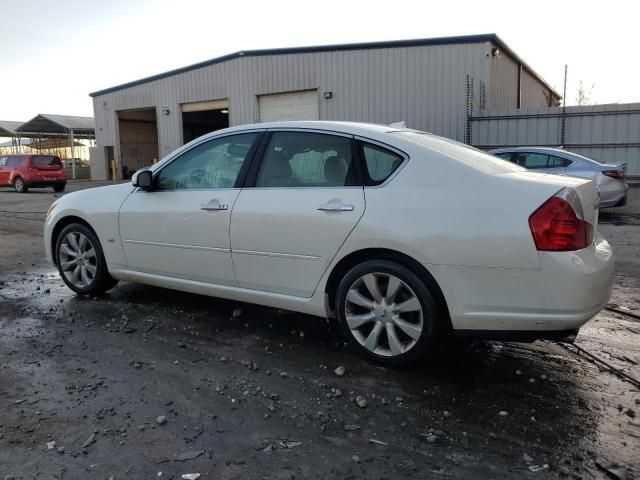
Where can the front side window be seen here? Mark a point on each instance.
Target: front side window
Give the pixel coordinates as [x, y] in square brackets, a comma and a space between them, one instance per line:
[213, 164]
[300, 159]
[380, 163]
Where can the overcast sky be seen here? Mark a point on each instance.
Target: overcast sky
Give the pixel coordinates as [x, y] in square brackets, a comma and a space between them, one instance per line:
[52, 54]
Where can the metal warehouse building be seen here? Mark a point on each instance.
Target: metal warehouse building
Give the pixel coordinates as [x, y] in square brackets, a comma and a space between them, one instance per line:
[432, 84]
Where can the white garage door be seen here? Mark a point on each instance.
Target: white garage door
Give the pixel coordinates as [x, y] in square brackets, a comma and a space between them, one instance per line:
[289, 106]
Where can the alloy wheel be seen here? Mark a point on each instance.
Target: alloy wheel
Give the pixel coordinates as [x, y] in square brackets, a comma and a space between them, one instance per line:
[383, 314]
[19, 184]
[78, 261]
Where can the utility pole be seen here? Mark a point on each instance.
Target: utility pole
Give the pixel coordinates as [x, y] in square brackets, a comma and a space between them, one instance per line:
[564, 95]
[563, 124]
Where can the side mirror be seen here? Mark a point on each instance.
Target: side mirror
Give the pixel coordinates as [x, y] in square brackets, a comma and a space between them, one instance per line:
[142, 179]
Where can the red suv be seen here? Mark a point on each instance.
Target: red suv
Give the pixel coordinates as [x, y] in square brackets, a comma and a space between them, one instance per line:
[23, 171]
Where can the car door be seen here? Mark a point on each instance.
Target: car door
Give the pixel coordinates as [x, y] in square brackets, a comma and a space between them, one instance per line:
[181, 227]
[302, 201]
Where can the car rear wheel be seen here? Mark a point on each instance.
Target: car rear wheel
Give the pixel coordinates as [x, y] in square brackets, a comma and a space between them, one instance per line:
[19, 185]
[387, 312]
[59, 187]
[81, 261]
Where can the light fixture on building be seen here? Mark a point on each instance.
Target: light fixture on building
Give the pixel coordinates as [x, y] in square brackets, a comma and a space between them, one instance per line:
[328, 95]
[165, 110]
[495, 52]
[225, 111]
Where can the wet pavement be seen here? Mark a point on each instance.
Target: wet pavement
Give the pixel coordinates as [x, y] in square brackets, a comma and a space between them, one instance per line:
[251, 392]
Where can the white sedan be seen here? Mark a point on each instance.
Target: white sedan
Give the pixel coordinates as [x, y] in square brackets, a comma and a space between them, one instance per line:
[400, 235]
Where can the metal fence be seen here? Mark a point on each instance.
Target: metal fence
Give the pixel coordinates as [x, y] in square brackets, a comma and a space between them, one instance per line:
[607, 133]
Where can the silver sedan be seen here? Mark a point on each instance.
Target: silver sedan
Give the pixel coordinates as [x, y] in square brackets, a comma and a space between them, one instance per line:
[609, 178]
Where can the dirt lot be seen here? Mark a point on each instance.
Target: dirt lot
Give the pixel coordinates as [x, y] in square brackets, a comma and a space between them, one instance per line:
[250, 392]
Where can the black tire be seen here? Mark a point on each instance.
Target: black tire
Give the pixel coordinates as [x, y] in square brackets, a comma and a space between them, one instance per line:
[101, 281]
[416, 348]
[59, 187]
[19, 185]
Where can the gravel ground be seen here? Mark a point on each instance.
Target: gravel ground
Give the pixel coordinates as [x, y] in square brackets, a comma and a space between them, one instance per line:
[152, 383]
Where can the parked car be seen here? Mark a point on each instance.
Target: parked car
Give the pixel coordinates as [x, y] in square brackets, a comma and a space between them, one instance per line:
[403, 236]
[23, 171]
[609, 178]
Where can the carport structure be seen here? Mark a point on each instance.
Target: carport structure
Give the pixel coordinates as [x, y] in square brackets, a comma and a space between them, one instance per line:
[45, 126]
[9, 129]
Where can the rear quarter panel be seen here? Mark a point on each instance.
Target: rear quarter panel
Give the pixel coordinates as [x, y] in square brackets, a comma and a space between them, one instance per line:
[441, 211]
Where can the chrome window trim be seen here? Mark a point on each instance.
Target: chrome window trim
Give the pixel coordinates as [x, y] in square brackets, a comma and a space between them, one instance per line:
[345, 187]
[311, 130]
[216, 189]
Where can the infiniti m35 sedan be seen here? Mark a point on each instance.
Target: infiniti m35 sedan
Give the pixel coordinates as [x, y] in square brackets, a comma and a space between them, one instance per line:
[401, 235]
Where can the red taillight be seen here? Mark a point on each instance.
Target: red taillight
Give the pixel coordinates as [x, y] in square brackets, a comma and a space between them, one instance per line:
[614, 173]
[558, 224]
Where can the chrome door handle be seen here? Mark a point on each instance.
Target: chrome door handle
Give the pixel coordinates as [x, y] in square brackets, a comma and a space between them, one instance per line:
[214, 206]
[336, 207]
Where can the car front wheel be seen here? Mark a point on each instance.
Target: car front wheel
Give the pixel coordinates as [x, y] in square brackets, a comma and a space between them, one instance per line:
[387, 312]
[81, 261]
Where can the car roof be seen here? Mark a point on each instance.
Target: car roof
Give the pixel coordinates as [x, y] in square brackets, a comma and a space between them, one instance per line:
[550, 150]
[531, 149]
[354, 128]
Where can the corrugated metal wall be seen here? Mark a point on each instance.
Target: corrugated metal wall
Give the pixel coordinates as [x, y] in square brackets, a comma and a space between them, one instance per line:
[534, 94]
[504, 83]
[425, 86]
[504, 86]
[609, 133]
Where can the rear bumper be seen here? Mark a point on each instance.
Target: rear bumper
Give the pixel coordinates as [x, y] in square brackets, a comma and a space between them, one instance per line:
[44, 183]
[566, 291]
[615, 196]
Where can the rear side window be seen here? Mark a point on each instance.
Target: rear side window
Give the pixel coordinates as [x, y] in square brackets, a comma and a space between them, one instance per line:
[504, 155]
[3, 161]
[557, 162]
[14, 160]
[380, 163]
[45, 160]
[301, 159]
[532, 161]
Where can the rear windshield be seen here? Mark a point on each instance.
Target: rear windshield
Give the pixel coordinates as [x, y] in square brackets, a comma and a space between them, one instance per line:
[45, 160]
[469, 155]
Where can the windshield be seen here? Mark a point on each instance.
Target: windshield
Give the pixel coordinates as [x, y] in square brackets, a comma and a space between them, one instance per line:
[471, 156]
